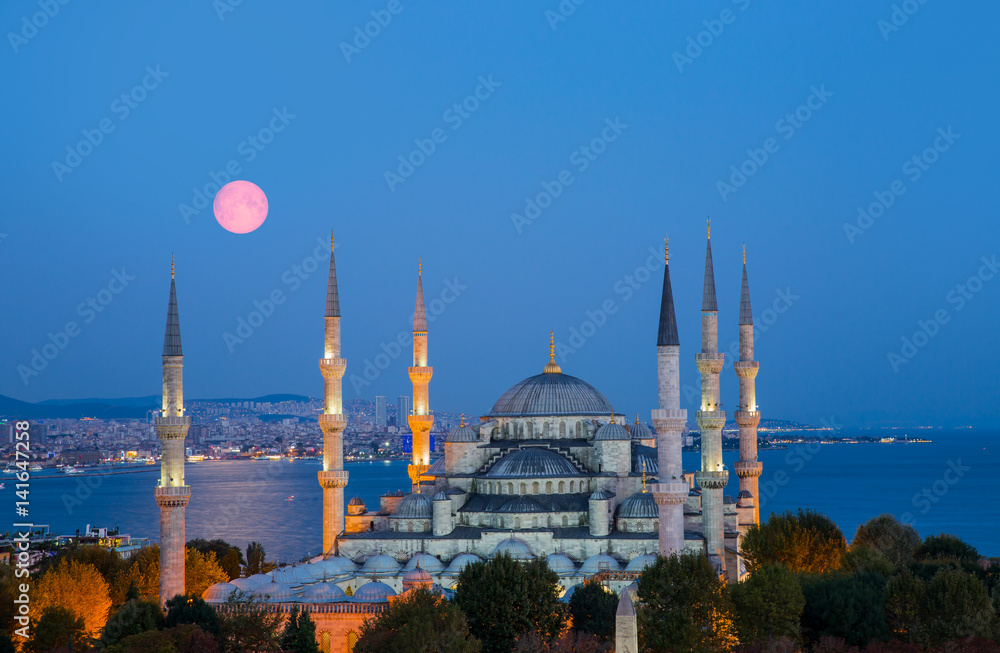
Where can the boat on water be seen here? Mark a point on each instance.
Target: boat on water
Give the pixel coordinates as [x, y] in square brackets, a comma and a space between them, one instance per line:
[8, 471]
[291, 498]
[35, 467]
[197, 458]
[72, 470]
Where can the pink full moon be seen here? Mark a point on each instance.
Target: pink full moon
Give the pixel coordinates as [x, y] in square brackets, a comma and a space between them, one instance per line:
[240, 207]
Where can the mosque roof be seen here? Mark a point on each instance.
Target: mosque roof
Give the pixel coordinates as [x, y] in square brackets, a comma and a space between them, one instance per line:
[414, 506]
[576, 502]
[323, 593]
[425, 561]
[640, 505]
[463, 433]
[612, 431]
[461, 561]
[533, 462]
[380, 564]
[598, 563]
[643, 454]
[515, 547]
[551, 394]
[373, 592]
[561, 564]
[640, 431]
[640, 562]
[219, 592]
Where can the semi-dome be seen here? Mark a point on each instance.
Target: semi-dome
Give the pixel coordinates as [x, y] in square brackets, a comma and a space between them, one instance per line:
[601, 495]
[275, 593]
[414, 506]
[323, 593]
[640, 505]
[462, 561]
[441, 496]
[532, 462]
[641, 562]
[219, 593]
[424, 561]
[514, 547]
[598, 563]
[612, 431]
[373, 592]
[561, 564]
[380, 564]
[640, 431]
[551, 394]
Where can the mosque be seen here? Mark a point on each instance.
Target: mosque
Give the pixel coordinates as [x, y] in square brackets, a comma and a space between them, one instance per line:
[553, 471]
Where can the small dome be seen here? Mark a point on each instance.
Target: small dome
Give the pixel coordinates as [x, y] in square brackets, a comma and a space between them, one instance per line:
[601, 495]
[373, 592]
[728, 500]
[641, 562]
[521, 505]
[640, 431]
[382, 565]
[356, 501]
[612, 431]
[317, 571]
[441, 496]
[744, 494]
[302, 574]
[514, 547]
[426, 562]
[462, 561]
[323, 593]
[640, 505]
[417, 575]
[283, 575]
[598, 563]
[463, 433]
[532, 462]
[275, 593]
[248, 585]
[219, 593]
[414, 506]
[337, 566]
[561, 564]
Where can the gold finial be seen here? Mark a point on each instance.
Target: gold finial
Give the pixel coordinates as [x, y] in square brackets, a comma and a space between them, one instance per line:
[172, 269]
[666, 250]
[552, 367]
[744, 253]
[637, 418]
[461, 420]
[612, 418]
[709, 222]
[420, 266]
[644, 476]
[331, 240]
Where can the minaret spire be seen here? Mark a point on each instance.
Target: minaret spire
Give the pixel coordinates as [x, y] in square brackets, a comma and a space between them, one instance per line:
[667, 335]
[421, 420]
[332, 422]
[172, 495]
[748, 468]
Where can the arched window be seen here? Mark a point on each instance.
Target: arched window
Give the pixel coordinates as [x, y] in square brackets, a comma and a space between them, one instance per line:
[548, 487]
[562, 428]
[517, 522]
[534, 487]
[409, 527]
[352, 641]
[524, 488]
[572, 486]
[534, 522]
[583, 521]
[562, 487]
[503, 523]
[565, 521]
[510, 488]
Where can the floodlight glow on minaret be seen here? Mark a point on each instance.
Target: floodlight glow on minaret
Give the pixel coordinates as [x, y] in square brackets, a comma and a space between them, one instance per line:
[748, 468]
[421, 420]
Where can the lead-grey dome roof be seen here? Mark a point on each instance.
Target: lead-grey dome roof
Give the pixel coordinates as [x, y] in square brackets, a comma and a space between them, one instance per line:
[640, 505]
[532, 462]
[463, 433]
[612, 431]
[551, 394]
[414, 506]
[522, 505]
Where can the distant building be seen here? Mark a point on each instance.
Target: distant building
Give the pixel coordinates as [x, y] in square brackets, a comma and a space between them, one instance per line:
[402, 410]
[380, 411]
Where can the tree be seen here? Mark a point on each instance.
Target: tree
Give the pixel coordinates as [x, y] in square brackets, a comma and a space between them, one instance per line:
[299, 635]
[56, 627]
[894, 540]
[502, 598]
[804, 542]
[247, 625]
[229, 556]
[685, 606]
[955, 604]
[255, 560]
[78, 587]
[192, 609]
[186, 638]
[849, 606]
[132, 618]
[866, 559]
[593, 610]
[768, 605]
[201, 571]
[230, 563]
[571, 641]
[108, 563]
[141, 572]
[945, 547]
[905, 597]
[422, 622]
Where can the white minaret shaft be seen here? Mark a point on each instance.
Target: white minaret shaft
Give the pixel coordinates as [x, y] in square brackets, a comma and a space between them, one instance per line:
[712, 477]
[748, 468]
[669, 419]
[421, 420]
[172, 426]
[333, 478]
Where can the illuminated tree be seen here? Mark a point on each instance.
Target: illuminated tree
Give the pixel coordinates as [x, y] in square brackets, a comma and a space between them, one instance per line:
[56, 628]
[768, 605]
[141, 573]
[894, 540]
[593, 610]
[201, 571]
[422, 622]
[78, 587]
[685, 606]
[805, 542]
[229, 557]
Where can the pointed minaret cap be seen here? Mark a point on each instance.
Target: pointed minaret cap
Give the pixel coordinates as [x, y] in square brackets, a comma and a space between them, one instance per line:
[172, 336]
[625, 606]
[667, 334]
[420, 313]
[552, 367]
[746, 315]
[332, 294]
[708, 295]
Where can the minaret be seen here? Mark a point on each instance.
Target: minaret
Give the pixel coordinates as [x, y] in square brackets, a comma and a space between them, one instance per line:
[172, 426]
[748, 468]
[712, 477]
[420, 374]
[333, 478]
[669, 420]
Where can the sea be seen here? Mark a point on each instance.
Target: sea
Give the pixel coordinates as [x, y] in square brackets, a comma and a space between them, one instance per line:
[948, 485]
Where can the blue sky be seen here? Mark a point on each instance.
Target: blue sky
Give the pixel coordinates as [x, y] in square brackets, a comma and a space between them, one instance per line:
[839, 98]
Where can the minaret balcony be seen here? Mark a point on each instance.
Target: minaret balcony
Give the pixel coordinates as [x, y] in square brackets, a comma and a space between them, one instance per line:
[332, 423]
[710, 363]
[710, 420]
[172, 496]
[669, 420]
[330, 480]
[333, 368]
[173, 420]
[672, 493]
[420, 423]
[421, 375]
[712, 480]
[748, 468]
[747, 418]
[746, 369]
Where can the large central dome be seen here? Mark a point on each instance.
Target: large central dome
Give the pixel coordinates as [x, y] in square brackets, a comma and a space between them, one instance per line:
[552, 393]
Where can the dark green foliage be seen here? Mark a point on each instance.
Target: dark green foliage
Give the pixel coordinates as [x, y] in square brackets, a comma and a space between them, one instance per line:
[953, 604]
[945, 547]
[866, 559]
[55, 628]
[192, 610]
[256, 563]
[422, 623]
[8, 592]
[804, 542]
[593, 610]
[299, 635]
[186, 638]
[849, 606]
[502, 598]
[6, 643]
[894, 540]
[684, 606]
[229, 557]
[230, 563]
[768, 605]
[245, 624]
[132, 618]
